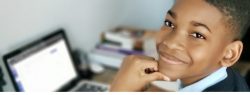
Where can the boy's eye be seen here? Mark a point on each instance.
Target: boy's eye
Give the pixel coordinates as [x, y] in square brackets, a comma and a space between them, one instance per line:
[168, 24]
[197, 35]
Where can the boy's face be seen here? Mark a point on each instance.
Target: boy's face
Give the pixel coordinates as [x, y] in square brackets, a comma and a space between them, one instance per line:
[192, 41]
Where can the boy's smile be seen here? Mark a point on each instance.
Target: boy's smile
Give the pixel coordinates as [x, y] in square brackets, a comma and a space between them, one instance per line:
[172, 58]
[192, 41]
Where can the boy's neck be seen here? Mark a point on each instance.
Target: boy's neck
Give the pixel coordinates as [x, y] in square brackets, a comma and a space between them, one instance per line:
[191, 80]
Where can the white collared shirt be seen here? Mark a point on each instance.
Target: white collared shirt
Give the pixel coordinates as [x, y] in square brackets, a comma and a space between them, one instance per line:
[206, 82]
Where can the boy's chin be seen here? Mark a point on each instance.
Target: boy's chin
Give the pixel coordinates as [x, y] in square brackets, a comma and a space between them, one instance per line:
[172, 75]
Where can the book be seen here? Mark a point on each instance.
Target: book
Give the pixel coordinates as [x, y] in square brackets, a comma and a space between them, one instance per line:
[113, 48]
[118, 43]
[110, 59]
[130, 40]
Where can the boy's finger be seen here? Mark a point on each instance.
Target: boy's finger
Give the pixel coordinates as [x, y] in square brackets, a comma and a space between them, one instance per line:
[156, 76]
[150, 64]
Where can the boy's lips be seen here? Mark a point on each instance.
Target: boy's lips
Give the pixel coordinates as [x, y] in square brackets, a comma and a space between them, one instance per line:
[171, 59]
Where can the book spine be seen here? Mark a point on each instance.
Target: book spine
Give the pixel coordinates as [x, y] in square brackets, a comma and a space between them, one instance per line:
[119, 50]
[125, 42]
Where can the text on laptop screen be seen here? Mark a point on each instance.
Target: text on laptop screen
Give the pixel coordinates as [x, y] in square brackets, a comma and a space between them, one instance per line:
[44, 67]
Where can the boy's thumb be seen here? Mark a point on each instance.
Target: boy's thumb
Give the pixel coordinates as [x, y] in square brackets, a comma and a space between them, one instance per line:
[156, 76]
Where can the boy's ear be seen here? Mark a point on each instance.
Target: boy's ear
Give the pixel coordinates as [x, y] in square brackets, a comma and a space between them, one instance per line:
[232, 53]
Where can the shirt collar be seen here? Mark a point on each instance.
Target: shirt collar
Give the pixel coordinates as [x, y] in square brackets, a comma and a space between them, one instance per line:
[206, 82]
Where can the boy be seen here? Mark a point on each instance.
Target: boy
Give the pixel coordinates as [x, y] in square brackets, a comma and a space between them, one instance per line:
[198, 43]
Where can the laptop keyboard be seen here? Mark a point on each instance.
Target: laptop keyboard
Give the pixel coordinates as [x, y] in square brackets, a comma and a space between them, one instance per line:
[90, 87]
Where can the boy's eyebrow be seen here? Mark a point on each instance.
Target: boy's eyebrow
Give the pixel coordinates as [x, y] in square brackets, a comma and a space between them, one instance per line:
[171, 13]
[195, 23]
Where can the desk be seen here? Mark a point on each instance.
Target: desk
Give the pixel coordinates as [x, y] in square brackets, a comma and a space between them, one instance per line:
[109, 73]
[107, 76]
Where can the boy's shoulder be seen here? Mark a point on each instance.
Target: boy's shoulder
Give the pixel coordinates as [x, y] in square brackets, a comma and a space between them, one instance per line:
[234, 82]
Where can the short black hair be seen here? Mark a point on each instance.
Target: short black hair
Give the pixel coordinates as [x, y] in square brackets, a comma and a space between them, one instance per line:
[237, 14]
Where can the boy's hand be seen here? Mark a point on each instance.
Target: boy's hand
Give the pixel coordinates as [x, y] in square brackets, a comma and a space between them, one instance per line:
[135, 73]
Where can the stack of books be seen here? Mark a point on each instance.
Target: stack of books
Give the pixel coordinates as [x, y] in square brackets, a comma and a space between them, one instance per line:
[115, 45]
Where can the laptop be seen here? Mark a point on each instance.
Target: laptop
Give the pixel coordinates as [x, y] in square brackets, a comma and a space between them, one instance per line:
[46, 65]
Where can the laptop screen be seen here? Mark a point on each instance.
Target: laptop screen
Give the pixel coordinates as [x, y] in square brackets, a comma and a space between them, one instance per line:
[45, 66]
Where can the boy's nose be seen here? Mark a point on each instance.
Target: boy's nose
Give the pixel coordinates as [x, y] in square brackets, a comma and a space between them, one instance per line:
[174, 41]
